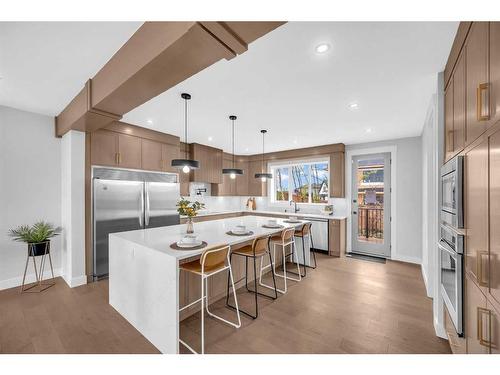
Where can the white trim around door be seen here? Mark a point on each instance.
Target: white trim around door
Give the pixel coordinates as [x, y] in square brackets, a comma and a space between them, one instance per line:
[392, 149]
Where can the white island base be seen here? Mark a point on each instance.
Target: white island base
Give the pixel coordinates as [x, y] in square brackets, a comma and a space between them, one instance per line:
[144, 272]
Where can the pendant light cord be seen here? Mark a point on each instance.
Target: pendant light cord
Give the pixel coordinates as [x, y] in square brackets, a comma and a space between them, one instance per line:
[185, 129]
[262, 166]
[233, 144]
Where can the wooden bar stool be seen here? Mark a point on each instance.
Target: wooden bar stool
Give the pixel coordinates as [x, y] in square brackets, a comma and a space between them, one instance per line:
[211, 262]
[258, 249]
[284, 239]
[305, 230]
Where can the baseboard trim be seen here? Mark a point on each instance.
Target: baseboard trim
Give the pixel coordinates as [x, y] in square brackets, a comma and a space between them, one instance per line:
[426, 282]
[30, 278]
[75, 281]
[407, 259]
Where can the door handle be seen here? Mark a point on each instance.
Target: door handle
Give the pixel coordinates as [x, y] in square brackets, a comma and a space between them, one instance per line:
[354, 212]
[479, 267]
[482, 341]
[146, 213]
[141, 215]
[483, 87]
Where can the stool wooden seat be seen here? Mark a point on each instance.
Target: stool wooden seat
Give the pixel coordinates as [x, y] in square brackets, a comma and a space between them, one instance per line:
[212, 261]
[257, 250]
[284, 239]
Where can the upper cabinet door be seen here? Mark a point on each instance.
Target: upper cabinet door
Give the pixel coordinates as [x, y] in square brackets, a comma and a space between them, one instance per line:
[129, 151]
[242, 181]
[152, 155]
[494, 321]
[448, 122]
[495, 71]
[255, 186]
[459, 105]
[104, 148]
[168, 153]
[477, 47]
[210, 159]
[337, 175]
[476, 214]
[494, 254]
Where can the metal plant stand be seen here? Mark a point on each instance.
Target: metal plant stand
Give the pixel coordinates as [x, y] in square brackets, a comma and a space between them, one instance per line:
[33, 253]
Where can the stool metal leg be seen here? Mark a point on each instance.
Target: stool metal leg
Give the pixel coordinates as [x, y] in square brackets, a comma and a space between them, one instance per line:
[312, 251]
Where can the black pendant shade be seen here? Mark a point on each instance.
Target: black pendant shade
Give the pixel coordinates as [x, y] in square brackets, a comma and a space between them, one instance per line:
[233, 172]
[263, 176]
[185, 164]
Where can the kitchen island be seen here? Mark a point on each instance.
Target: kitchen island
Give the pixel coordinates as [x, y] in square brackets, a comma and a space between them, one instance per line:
[144, 272]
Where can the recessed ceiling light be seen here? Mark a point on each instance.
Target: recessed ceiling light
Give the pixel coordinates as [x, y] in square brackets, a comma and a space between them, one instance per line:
[210, 139]
[150, 122]
[247, 149]
[322, 48]
[353, 106]
[295, 141]
[368, 130]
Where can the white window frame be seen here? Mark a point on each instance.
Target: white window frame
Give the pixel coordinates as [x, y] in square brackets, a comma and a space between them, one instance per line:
[289, 163]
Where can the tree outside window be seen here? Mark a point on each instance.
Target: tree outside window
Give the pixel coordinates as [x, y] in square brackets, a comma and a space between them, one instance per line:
[302, 183]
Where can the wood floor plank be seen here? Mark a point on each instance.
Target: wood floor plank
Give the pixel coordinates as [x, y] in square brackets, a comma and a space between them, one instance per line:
[344, 306]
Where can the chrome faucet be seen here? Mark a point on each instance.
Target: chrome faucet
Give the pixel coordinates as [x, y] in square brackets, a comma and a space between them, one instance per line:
[295, 206]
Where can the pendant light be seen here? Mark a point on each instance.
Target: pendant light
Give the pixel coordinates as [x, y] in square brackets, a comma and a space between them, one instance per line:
[263, 176]
[232, 172]
[185, 164]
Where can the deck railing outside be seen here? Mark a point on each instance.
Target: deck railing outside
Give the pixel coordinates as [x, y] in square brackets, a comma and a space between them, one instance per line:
[371, 223]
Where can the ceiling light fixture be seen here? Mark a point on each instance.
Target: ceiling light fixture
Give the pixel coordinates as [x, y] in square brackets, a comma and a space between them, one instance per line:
[185, 164]
[353, 106]
[263, 176]
[322, 48]
[368, 130]
[232, 172]
[150, 122]
[210, 139]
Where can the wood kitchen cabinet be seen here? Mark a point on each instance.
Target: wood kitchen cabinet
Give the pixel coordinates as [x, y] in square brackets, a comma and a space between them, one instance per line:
[476, 49]
[104, 148]
[476, 213]
[242, 181]
[152, 155]
[129, 151]
[476, 322]
[337, 173]
[494, 329]
[210, 159]
[494, 87]
[255, 186]
[448, 122]
[494, 209]
[459, 105]
[168, 153]
[228, 185]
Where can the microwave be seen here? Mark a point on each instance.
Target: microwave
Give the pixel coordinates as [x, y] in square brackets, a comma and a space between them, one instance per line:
[452, 186]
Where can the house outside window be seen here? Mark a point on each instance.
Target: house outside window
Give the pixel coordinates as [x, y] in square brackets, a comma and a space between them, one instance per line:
[301, 182]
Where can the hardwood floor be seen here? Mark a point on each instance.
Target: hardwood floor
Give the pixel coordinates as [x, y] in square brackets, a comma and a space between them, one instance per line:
[344, 306]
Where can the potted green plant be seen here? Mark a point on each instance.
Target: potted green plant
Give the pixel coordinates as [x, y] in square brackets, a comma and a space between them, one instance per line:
[36, 236]
[190, 210]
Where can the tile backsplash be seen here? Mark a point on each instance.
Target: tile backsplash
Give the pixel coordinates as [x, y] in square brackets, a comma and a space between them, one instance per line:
[201, 192]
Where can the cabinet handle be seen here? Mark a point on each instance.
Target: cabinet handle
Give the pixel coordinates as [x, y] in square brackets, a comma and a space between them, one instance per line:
[119, 158]
[479, 267]
[480, 312]
[483, 87]
[116, 158]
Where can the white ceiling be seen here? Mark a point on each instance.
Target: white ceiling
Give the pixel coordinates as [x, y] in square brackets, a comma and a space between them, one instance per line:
[302, 98]
[43, 65]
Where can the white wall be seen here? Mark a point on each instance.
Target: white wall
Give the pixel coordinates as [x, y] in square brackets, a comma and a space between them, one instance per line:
[73, 208]
[408, 190]
[30, 186]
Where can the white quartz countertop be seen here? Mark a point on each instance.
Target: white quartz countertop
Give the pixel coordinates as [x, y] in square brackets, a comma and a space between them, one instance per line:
[270, 212]
[213, 232]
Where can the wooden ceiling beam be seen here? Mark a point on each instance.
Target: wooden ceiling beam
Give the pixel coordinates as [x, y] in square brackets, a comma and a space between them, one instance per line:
[157, 57]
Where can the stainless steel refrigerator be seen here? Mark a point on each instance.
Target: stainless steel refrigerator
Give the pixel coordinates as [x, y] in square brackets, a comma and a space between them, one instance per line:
[125, 200]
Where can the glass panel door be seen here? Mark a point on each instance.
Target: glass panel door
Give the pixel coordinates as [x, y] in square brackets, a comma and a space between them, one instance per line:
[371, 204]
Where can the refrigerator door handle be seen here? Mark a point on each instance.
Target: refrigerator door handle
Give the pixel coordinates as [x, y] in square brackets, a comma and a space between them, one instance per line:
[141, 215]
[146, 212]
